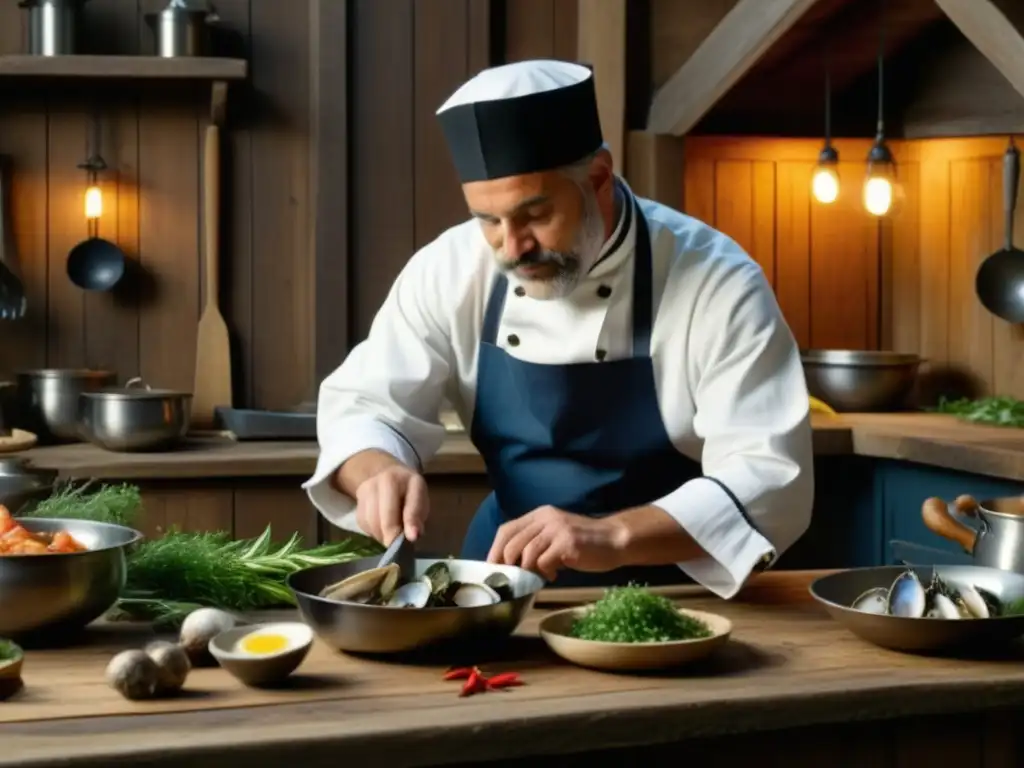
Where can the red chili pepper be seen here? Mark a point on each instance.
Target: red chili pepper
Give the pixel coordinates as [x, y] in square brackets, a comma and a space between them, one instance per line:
[460, 673]
[474, 684]
[504, 680]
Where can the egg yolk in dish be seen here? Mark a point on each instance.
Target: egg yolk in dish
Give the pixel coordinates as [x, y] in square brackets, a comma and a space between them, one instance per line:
[263, 643]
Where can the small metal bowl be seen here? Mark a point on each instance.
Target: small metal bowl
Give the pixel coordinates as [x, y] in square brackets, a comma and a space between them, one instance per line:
[855, 381]
[134, 418]
[49, 595]
[47, 400]
[377, 629]
[837, 592]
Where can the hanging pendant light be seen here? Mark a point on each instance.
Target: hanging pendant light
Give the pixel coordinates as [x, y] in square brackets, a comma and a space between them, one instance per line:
[825, 181]
[880, 185]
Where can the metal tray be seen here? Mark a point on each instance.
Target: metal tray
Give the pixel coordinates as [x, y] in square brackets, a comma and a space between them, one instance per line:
[268, 425]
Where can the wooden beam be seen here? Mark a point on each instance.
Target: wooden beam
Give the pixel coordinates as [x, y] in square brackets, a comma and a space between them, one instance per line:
[994, 27]
[732, 48]
[654, 167]
[601, 42]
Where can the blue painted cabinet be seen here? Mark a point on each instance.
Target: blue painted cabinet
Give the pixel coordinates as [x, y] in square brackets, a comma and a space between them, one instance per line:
[861, 505]
[904, 486]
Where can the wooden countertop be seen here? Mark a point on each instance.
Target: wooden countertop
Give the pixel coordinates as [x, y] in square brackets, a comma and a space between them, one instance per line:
[938, 440]
[787, 664]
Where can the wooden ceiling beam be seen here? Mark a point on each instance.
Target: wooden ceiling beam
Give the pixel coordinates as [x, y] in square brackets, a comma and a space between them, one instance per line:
[732, 48]
[995, 28]
[601, 42]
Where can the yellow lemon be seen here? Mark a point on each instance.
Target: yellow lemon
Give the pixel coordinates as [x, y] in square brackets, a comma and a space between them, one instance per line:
[817, 406]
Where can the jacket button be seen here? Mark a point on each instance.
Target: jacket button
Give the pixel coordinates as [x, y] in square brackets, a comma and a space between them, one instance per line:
[604, 291]
[600, 354]
[513, 340]
[520, 291]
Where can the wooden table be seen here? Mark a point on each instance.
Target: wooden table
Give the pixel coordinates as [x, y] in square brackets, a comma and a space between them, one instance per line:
[793, 688]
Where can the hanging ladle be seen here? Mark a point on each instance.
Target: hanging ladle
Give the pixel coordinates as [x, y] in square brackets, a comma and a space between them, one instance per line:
[1000, 279]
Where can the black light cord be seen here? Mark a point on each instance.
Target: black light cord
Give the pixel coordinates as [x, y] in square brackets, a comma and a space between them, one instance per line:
[881, 67]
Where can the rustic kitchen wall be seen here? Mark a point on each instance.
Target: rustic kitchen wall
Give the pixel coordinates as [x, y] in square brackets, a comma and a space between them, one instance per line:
[307, 256]
[842, 281]
[152, 142]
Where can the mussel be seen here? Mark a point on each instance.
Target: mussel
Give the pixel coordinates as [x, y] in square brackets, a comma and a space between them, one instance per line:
[435, 588]
[907, 597]
[367, 587]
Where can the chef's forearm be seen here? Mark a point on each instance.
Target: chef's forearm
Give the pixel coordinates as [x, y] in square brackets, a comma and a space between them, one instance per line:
[649, 535]
[359, 467]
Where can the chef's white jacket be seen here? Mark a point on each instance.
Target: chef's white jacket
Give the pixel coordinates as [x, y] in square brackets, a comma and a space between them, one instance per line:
[729, 379]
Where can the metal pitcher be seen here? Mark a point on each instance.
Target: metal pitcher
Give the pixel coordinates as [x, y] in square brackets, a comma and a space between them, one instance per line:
[182, 28]
[52, 26]
[996, 540]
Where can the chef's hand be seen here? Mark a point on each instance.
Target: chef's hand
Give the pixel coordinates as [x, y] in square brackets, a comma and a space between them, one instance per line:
[390, 501]
[549, 539]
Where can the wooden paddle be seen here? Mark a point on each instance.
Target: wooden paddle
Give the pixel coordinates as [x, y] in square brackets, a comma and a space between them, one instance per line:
[213, 347]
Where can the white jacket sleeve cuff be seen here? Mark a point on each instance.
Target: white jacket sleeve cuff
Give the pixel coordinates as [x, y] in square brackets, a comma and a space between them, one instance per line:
[354, 434]
[718, 524]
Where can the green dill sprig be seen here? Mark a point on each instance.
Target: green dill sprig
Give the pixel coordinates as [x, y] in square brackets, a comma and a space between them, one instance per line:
[998, 411]
[634, 614]
[120, 504]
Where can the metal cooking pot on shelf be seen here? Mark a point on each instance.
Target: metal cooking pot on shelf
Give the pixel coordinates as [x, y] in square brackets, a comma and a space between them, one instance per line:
[135, 417]
[995, 540]
[46, 402]
[856, 381]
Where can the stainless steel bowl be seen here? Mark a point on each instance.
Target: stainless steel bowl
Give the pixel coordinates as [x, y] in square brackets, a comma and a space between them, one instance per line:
[837, 591]
[47, 400]
[135, 418]
[42, 596]
[860, 380]
[22, 486]
[376, 629]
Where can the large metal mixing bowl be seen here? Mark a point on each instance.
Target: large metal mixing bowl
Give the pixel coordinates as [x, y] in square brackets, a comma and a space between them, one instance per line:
[47, 400]
[22, 485]
[53, 594]
[377, 629]
[860, 380]
[837, 591]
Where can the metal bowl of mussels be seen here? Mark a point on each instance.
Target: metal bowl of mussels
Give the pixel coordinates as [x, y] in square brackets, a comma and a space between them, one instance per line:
[926, 609]
[361, 608]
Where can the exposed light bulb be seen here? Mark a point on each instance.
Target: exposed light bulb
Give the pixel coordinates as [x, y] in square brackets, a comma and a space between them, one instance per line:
[825, 184]
[93, 202]
[877, 195]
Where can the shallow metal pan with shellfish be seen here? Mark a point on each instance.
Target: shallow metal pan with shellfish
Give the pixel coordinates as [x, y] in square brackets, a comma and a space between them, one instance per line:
[926, 609]
[360, 607]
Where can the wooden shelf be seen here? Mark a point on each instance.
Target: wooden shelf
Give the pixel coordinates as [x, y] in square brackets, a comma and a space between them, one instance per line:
[124, 67]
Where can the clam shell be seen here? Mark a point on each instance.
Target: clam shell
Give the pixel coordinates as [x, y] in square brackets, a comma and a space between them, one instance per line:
[470, 595]
[414, 594]
[873, 601]
[365, 586]
[907, 596]
[499, 582]
[974, 603]
[440, 578]
[943, 608]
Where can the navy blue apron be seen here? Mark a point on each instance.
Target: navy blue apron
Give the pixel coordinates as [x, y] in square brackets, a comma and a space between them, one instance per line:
[587, 438]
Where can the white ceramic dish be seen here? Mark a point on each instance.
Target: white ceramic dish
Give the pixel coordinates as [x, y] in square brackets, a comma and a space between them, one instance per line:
[264, 665]
[624, 657]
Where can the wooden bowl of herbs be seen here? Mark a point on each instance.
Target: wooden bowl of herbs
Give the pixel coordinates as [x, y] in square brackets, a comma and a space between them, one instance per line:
[633, 629]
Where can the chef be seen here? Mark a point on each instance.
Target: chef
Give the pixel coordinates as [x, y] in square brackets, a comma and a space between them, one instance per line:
[623, 369]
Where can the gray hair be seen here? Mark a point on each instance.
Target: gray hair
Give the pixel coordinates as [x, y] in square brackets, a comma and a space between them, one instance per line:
[579, 171]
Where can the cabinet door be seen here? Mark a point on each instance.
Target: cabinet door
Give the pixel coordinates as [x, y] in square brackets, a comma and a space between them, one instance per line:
[905, 486]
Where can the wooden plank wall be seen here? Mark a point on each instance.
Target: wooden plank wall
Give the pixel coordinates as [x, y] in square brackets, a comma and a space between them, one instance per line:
[822, 260]
[844, 282]
[152, 143]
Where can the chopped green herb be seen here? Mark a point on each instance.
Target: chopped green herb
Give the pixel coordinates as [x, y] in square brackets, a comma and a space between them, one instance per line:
[1012, 608]
[634, 614]
[9, 651]
[998, 411]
